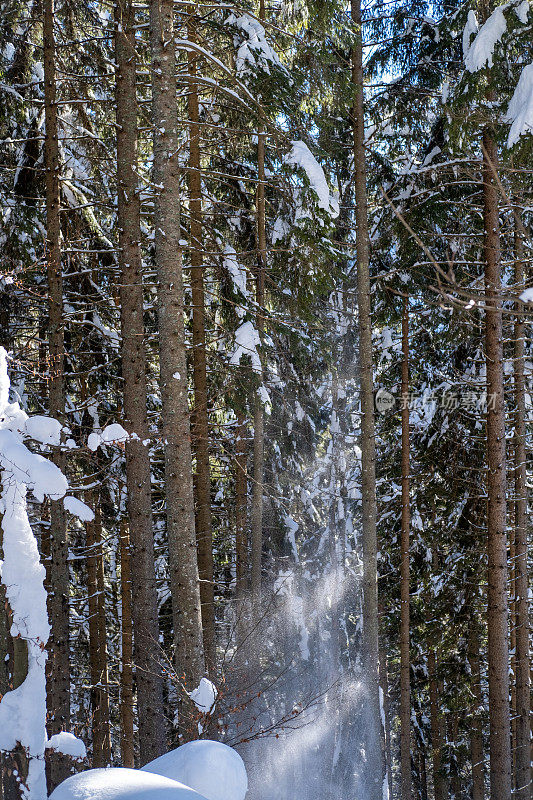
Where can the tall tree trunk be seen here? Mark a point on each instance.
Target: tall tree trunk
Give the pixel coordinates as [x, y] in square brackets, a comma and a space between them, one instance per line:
[241, 544]
[97, 642]
[151, 720]
[521, 611]
[126, 675]
[259, 413]
[476, 732]
[368, 444]
[497, 611]
[440, 790]
[256, 515]
[184, 583]
[200, 424]
[58, 672]
[405, 660]
[386, 733]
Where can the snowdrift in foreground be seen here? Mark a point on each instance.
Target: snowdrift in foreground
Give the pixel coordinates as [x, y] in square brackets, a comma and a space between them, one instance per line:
[126, 784]
[213, 769]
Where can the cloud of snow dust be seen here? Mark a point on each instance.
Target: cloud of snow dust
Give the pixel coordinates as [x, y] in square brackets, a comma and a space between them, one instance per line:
[312, 706]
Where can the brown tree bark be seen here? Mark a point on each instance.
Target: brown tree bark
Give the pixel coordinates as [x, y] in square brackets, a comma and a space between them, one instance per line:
[522, 752]
[97, 642]
[151, 718]
[476, 733]
[405, 660]
[186, 605]
[259, 413]
[241, 544]
[497, 611]
[58, 665]
[440, 788]
[375, 768]
[386, 733]
[126, 676]
[199, 420]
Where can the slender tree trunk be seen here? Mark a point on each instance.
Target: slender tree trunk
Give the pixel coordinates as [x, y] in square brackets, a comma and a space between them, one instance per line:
[386, 733]
[241, 545]
[368, 444]
[184, 583]
[259, 413]
[200, 424]
[439, 781]
[151, 719]
[476, 731]
[58, 672]
[405, 665]
[453, 727]
[126, 675]
[497, 611]
[97, 642]
[521, 611]
[241, 538]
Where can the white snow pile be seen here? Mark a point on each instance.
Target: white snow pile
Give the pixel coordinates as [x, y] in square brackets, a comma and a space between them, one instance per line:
[213, 769]
[119, 783]
[527, 296]
[43, 429]
[67, 744]
[520, 111]
[246, 341]
[300, 156]
[481, 51]
[112, 434]
[254, 51]
[204, 696]
[79, 509]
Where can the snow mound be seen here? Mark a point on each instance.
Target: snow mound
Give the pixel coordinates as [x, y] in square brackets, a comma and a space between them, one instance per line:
[68, 744]
[213, 769]
[119, 783]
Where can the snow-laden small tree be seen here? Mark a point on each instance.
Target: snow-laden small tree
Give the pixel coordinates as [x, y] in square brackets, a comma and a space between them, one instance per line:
[23, 708]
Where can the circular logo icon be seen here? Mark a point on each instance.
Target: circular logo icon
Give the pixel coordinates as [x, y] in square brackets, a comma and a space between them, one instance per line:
[384, 401]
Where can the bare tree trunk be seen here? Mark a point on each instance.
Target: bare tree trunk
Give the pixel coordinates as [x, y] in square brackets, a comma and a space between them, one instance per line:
[375, 769]
[126, 676]
[497, 611]
[521, 611]
[200, 423]
[58, 666]
[259, 414]
[97, 642]
[151, 719]
[476, 734]
[405, 660]
[440, 791]
[184, 583]
[241, 544]
[386, 733]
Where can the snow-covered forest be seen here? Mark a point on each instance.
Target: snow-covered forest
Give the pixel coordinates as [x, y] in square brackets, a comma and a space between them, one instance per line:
[265, 399]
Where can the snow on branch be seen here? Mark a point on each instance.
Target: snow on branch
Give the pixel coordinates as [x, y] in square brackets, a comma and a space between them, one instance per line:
[520, 111]
[254, 51]
[480, 52]
[300, 156]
